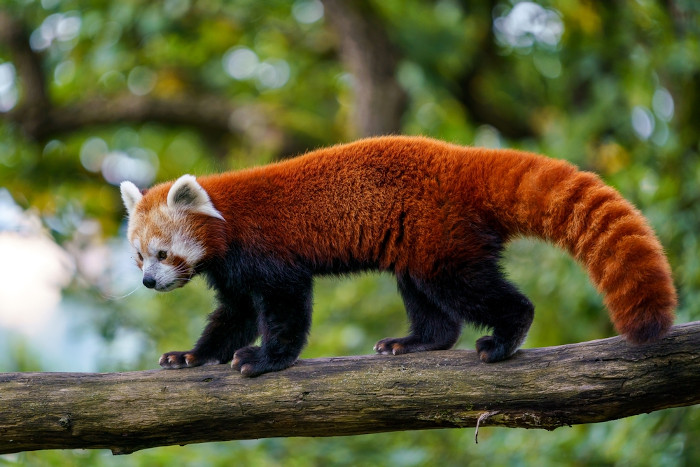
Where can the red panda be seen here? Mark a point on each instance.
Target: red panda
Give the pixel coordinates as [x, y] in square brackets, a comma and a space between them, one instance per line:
[436, 215]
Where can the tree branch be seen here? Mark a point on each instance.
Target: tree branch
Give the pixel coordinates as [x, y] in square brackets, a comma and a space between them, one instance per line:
[208, 114]
[40, 119]
[538, 388]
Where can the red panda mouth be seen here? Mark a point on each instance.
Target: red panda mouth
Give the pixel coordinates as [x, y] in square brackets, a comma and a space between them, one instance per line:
[176, 284]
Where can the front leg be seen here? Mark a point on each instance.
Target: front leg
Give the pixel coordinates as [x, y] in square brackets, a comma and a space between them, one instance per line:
[231, 326]
[284, 324]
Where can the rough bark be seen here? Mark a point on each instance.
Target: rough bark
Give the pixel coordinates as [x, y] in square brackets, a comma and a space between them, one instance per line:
[538, 388]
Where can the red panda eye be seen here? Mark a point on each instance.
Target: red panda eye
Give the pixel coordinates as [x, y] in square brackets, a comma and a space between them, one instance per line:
[140, 256]
[162, 255]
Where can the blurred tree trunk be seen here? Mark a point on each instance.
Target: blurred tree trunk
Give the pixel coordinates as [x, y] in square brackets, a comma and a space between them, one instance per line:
[537, 388]
[372, 59]
[472, 88]
[35, 104]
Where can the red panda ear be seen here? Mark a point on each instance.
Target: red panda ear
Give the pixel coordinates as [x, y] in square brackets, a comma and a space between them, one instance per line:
[186, 194]
[130, 195]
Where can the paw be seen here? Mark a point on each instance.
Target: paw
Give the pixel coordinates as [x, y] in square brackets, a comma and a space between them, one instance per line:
[173, 360]
[391, 346]
[249, 361]
[491, 350]
[246, 360]
[253, 361]
[177, 360]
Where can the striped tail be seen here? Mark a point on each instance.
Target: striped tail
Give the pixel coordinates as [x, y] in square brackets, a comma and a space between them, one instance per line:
[553, 200]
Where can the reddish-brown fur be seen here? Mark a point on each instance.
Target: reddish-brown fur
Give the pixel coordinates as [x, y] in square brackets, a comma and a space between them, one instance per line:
[412, 204]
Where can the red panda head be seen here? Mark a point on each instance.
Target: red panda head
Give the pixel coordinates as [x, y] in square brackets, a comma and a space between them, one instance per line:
[163, 230]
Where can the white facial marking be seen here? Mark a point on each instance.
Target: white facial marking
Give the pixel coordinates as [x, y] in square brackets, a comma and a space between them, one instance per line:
[183, 243]
[187, 248]
[137, 244]
[155, 245]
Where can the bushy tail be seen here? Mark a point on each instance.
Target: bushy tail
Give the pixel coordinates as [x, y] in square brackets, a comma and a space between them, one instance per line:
[553, 200]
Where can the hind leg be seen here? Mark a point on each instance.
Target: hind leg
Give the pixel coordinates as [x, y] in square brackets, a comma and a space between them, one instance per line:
[478, 294]
[432, 327]
[481, 295]
[509, 313]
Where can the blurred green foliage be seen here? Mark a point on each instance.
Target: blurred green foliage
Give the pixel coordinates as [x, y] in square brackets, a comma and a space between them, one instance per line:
[610, 86]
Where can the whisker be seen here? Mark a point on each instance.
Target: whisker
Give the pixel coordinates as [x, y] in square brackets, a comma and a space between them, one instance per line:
[119, 297]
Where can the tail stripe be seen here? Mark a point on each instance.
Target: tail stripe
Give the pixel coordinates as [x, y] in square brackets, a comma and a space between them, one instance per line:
[599, 228]
[606, 251]
[560, 214]
[588, 212]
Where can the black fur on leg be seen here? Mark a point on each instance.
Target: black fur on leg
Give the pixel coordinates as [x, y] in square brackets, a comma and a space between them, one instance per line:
[285, 319]
[231, 326]
[478, 294]
[510, 315]
[432, 327]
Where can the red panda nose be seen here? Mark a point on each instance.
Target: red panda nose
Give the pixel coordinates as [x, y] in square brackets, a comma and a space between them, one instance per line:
[149, 282]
